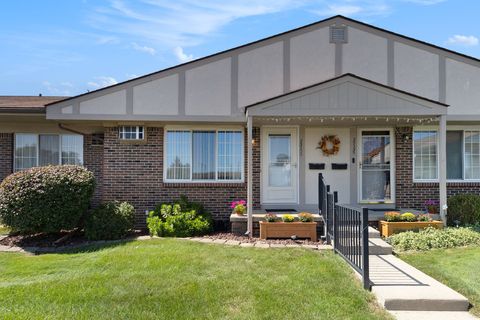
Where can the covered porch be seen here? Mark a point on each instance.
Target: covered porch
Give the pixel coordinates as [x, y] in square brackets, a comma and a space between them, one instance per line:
[351, 130]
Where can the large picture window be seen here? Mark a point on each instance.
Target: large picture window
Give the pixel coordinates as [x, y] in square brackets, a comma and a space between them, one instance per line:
[463, 155]
[33, 150]
[204, 155]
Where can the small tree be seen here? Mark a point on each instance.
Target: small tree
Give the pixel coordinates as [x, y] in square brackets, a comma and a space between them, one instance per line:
[46, 199]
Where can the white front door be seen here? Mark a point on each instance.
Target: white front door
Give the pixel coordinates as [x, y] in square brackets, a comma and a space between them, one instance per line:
[279, 165]
[375, 166]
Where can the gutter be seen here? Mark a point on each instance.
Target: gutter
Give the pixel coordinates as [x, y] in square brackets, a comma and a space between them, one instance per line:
[61, 126]
[23, 110]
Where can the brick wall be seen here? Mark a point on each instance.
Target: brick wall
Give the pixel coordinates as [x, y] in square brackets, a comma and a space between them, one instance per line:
[413, 195]
[133, 172]
[6, 154]
[93, 161]
[256, 171]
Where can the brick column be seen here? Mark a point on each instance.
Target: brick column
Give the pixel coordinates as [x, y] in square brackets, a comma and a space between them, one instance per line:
[6, 155]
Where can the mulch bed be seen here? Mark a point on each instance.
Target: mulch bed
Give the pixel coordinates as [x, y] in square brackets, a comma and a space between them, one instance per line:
[42, 240]
[245, 239]
[48, 240]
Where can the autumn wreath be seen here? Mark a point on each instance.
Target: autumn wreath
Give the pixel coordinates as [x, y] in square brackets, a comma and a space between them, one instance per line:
[330, 145]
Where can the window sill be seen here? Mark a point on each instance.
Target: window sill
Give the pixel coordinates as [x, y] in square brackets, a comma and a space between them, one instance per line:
[204, 184]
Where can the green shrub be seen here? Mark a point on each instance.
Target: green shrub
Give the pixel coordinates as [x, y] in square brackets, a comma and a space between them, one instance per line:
[431, 238]
[408, 216]
[465, 208]
[112, 220]
[46, 199]
[180, 219]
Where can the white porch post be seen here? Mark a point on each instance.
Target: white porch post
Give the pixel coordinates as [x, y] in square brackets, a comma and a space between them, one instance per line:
[442, 130]
[249, 176]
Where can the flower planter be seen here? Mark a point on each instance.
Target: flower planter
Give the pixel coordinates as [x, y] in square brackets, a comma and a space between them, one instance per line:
[288, 229]
[389, 228]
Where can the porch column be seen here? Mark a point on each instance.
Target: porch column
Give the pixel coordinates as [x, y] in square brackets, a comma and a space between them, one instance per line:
[442, 152]
[249, 176]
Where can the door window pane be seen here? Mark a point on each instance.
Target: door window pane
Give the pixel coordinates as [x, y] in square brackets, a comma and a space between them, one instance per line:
[279, 174]
[25, 151]
[203, 155]
[376, 154]
[454, 155]
[49, 149]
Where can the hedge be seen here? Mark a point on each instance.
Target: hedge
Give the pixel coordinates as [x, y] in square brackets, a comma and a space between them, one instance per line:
[112, 220]
[46, 199]
[464, 208]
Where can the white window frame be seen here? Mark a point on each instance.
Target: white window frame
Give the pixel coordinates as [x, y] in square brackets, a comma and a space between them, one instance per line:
[138, 133]
[37, 136]
[449, 128]
[203, 128]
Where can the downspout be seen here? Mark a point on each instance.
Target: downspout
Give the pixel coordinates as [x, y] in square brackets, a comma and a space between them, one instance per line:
[249, 176]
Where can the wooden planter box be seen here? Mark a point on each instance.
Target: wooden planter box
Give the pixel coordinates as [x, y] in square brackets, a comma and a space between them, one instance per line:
[389, 228]
[288, 229]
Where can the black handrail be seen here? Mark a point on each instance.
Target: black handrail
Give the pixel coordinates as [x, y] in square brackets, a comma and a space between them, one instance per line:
[350, 234]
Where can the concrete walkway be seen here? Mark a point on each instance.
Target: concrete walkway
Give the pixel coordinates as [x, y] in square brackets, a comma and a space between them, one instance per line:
[409, 293]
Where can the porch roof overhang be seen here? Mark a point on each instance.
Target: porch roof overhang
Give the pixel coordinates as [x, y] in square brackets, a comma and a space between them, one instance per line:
[347, 95]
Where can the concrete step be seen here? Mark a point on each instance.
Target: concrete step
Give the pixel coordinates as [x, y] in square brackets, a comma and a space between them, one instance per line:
[432, 315]
[401, 287]
[373, 233]
[377, 246]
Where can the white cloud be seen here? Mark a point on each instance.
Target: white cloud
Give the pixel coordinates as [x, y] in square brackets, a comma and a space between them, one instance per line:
[101, 82]
[179, 23]
[467, 41]
[145, 49]
[362, 8]
[181, 55]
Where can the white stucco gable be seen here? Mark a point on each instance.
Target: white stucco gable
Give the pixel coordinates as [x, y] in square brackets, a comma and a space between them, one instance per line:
[347, 95]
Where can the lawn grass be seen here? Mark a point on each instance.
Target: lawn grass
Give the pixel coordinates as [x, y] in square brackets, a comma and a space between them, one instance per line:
[179, 279]
[457, 268]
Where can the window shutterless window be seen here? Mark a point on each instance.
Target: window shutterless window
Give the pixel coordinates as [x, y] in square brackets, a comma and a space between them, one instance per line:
[463, 155]
[131, 132]
[425, 163]
[204, 155]
[33, 150]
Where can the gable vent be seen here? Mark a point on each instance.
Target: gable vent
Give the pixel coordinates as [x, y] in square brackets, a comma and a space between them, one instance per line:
[338, 34]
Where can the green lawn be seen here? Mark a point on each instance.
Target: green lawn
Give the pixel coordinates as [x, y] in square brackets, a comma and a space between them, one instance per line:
[458, 268]
[178, 279]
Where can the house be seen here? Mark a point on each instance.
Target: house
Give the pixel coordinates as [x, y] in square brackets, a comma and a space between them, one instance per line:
[388, 120]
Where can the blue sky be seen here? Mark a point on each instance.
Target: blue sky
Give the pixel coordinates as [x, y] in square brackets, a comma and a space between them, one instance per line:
[59, 47]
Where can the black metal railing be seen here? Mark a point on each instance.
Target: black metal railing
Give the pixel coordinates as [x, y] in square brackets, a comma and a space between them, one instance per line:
[347, 228]
[326, 206]
[350, 232]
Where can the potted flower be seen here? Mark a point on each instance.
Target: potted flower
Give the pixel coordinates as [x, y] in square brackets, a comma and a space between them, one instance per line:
[432, 206]
[270, 217]
[239, 207]
[305, 217]
[394, 222]
[271, 227]
[288, 218]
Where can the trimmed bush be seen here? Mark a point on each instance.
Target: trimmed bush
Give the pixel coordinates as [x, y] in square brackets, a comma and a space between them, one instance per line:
[181, 219]
[431, 238]
[46, 199]
[465, 208]
[112, 220]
